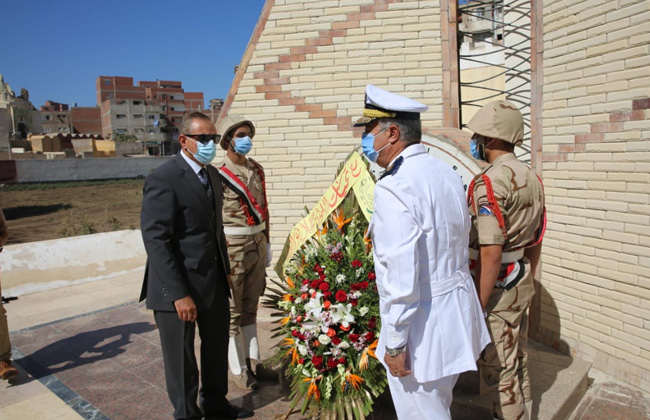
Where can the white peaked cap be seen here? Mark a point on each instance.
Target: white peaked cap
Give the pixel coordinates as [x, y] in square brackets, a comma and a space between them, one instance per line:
[383, 104]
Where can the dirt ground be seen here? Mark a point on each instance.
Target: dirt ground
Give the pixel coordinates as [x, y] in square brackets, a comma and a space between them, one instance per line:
[51, 211]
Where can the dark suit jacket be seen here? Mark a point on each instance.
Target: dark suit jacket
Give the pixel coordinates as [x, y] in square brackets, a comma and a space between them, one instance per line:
[183, 236]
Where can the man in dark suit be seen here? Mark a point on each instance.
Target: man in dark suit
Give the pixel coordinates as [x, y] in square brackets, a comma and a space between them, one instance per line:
[186, 278]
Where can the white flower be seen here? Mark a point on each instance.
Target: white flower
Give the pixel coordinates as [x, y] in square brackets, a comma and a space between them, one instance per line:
[341, 314]
[297, 301]
[359, 272]
[314, 307]
[324, 339]
[363, 310]
[344, 345]
[341, 370]
[340, 278]
[302, 349]
[336, 351]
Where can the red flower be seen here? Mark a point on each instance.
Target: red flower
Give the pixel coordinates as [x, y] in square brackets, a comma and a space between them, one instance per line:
[336, 341]
[305, 281]
[327, 294]
[324, 286]
[372, 323]
[356, 264]
[372, 276]
[304, 296]
[317, 361]
[341, 296]
[301, 361]
[318, 268]
[314, 284]
[354, 337]
[370, 336]
[295, 333]
[332, 363]
[354, 302]
[342, 361]
[364, 285]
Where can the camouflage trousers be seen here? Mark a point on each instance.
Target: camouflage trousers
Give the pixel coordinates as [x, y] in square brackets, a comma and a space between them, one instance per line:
[504, 362]
[247, 255]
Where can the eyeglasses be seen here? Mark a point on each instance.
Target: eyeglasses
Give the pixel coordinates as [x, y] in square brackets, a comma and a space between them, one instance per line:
[203, 138]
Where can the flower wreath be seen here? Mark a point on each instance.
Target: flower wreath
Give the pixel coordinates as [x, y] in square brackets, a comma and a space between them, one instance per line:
[329, 306]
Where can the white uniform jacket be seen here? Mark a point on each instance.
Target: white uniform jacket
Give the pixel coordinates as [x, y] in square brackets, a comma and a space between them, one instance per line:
[420, 231]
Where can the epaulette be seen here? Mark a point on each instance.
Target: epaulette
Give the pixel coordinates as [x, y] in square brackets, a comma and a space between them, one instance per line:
[392, 169]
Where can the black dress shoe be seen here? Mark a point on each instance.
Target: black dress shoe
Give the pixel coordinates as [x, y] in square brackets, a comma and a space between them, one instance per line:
[230, 412]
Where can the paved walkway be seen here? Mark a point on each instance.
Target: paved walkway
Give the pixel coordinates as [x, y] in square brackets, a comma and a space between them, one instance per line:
[89, 351]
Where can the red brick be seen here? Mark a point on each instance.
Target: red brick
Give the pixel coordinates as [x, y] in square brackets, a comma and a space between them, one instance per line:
[309, 107]
[337, 120]
[554, 157]
[277, 81]
[277, 66]
[323, 114]
[361, 16]
[291, 101]
[265, 74]
[303, 50]
[589, 138]
[641, 103]
[606, 127]
[319, 41]
[627, 116]
[345, 25]
[277, 95]
[567, 148]
[374, 8]
[332, 33]
[266, 88]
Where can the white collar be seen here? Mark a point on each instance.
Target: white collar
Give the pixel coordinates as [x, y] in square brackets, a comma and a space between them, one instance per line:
[195, 166]
[414, 149]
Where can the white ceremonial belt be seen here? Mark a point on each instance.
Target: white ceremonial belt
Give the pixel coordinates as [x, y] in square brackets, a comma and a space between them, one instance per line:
[506, 257]
[446, 285]
[244, 230]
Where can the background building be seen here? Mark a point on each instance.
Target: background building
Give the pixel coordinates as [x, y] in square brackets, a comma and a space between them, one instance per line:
[55, 118]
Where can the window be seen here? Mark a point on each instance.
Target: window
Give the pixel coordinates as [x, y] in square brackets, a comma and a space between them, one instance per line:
[171, 108]
[120, 102]
[138, 116]
[138, 130]
[121, 131]
[137, 102]
[171, 96]
[46, 129]
[47, 117]
[120, 116]
[151, 117]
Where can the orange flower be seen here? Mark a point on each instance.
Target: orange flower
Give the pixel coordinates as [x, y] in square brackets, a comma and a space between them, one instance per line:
[331, 333]
[290, 282]
[287, 342]
[321, 232]
[285, 320]
[352, 379]
[344, 328]
[294, 356]
[286, 298]
[327, 304]
[368, 241]
[368, 351]
[313, 388]
[316, 343]
[340, 219]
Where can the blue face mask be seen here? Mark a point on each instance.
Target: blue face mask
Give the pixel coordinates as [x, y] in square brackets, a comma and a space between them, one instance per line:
[243, 145]
[368, 146]
[205, 153]
[477, 150]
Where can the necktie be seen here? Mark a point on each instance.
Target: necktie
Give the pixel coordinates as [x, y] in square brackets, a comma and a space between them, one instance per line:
[203, 176]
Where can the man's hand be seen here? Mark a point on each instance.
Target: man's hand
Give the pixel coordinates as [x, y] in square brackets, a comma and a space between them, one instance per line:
[396, 365]
[186, 309]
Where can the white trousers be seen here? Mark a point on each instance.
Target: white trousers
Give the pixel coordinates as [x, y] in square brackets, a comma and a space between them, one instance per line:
[422, 401]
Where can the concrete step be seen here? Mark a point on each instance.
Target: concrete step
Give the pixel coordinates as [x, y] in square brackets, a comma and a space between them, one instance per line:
[558, 384]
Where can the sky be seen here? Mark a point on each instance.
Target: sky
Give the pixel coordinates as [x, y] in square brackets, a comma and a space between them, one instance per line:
[57, 49]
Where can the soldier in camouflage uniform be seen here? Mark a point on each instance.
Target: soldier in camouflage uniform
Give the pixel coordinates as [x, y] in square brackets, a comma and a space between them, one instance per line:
[506, 203]
[246, 225]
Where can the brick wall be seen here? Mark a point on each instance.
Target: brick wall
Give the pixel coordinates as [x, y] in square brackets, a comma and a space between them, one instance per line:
[596, 165]
[304, 86]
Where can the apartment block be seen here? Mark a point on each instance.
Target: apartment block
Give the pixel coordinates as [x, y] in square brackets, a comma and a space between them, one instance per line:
[56, 118]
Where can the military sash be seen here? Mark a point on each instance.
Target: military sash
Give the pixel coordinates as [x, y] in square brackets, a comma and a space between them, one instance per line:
[254, 212]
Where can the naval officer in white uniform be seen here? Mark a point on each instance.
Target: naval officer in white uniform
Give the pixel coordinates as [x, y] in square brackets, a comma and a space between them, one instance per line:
[432, 326]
